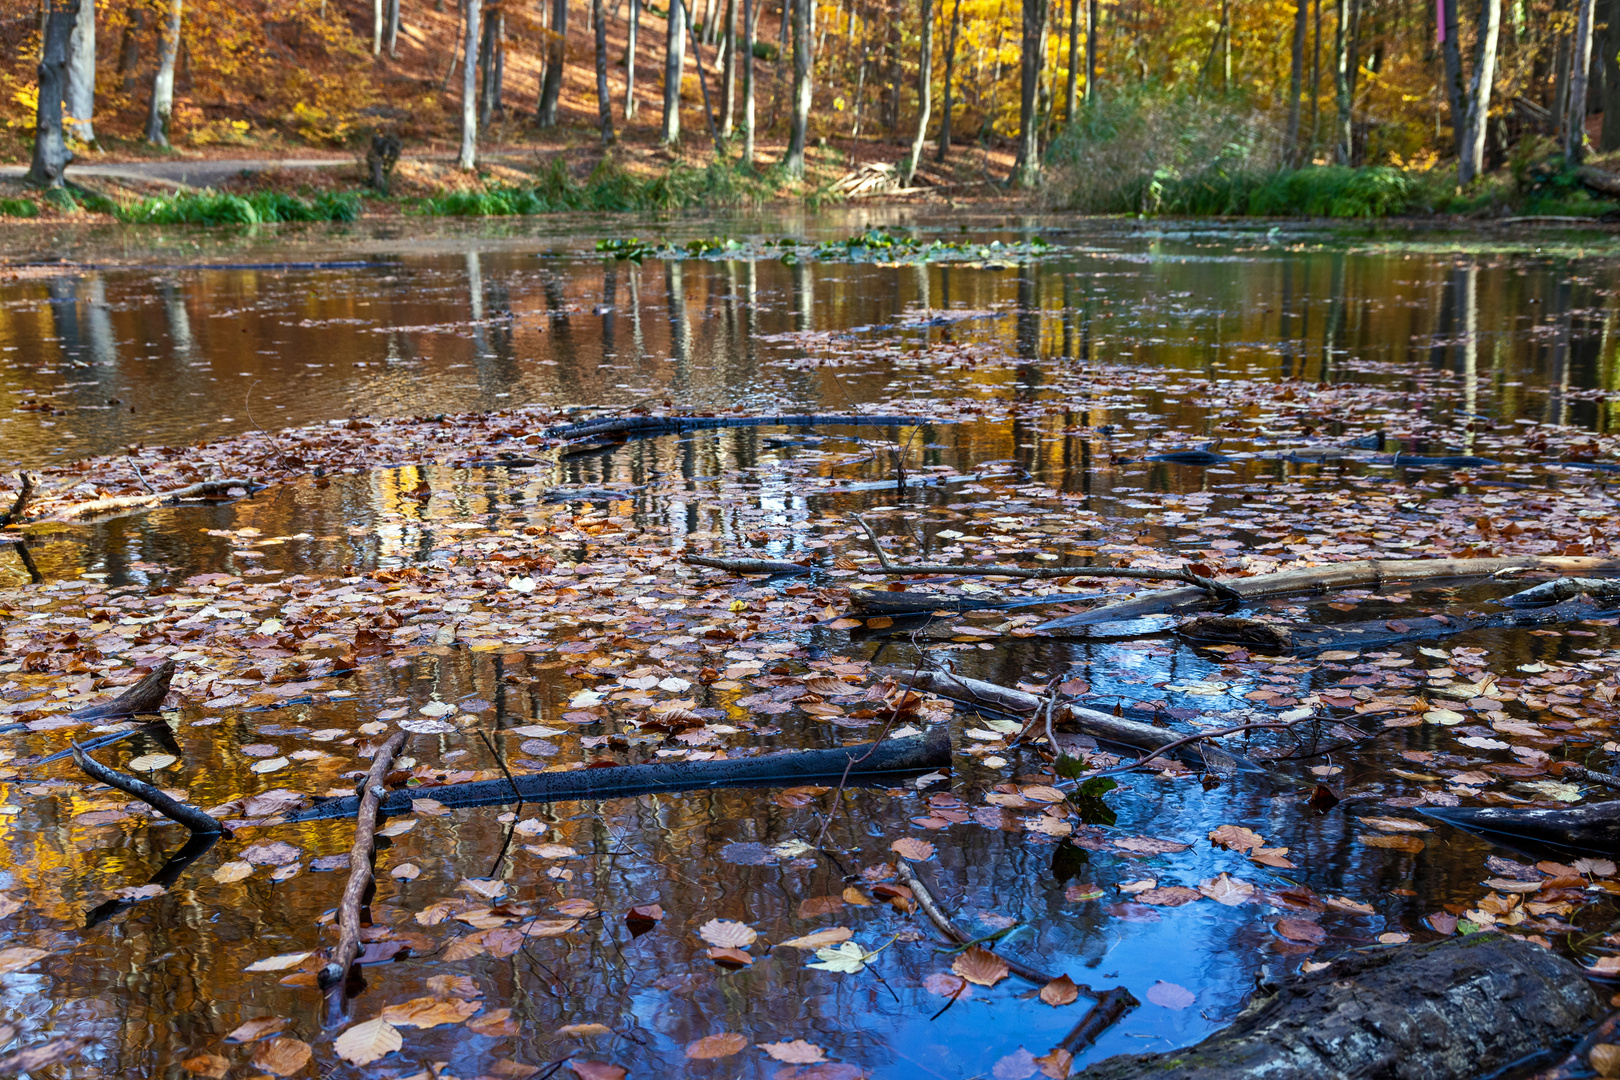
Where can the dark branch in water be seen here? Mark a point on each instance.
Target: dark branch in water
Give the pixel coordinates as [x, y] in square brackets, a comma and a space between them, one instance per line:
[196, 820]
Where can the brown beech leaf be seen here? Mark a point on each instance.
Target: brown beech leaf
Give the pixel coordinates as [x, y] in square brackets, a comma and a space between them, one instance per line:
[1227, 890]
[1302, 931]
[948, 985]
[370, 1041]
[797, 1052]
[644, 913]
[257, 1028]
[726, 934]
[717, 1046]
[1272, 856]
[496, 1024]
[1169, 995]
[426, 1012]
[209, 1066]
[1055, 1063]
[597, 1070]
[1411, 844]
[821, 938]
[1060, 991]
[582, 1031]
[980, 966]
[730, 957]
[282, 1056]
[1169, 896]
[1236, 838]
[1150, 845]
[910, 847]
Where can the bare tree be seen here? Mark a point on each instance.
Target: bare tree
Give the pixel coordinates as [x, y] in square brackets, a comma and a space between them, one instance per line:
[674, 71]
[1449, 36]
[469, 85]
[80, 97]
[1580, 69]
[604, 104]
[793, 161]
[925, 89]
[630, 61]
[391, 33]
[1296, 81]
[376, 27]
[551, 88]
[1027, 169]
[1343, 88]
[162, 104]
[51, 155]
[1471, 143]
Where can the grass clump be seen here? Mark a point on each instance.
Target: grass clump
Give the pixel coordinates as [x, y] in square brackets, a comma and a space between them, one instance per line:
[19, 208]
[208, 207]
[609, 189]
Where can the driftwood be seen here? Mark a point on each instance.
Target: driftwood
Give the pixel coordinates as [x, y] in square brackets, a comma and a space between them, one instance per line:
[1344, 575]
[1304, 640]
[882, 763]
[751, 566]
[112, 505]
[15, 514]
[1454, 1009]
[142, 698]
[896, 603]
[1099, 725]
[196, 820]
[1594, 828]
[1567, 588]
[644, 426]
[1111, 1006]
[357, 893]
[936, 915]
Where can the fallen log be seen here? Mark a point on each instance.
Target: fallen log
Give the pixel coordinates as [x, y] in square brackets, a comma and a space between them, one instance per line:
[1599, 180]
[1303, 640]
[644, 426]
[1454, 1009]
[868, 602]
[1566, 588]
[1345, 575]
[79, 511]
[334, 977]
[1578, 1064]
[883, 762]
[198, 821]
[143, 698]
[751, 566]
[1594, 828]
[1098, 725]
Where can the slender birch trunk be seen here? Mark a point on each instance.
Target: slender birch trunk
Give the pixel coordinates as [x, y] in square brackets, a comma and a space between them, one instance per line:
[80, 97]
[469, 84]
[162, 104]
[1471, 151]
[674, 71]
[925, 90]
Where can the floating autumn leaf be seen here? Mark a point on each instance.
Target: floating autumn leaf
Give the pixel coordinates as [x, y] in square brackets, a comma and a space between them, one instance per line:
[728, 957]
[1236, 838]
[910, 847]
[370, 1041]
[726, 934]
[980, 966]
[282, 1056]
[716, 1046]
[152, 762]
[582, 1031]
[821, 938]
[235, 870]
[1302, 931]
[1055, 1063]
[947, 985]
[1060, 991]
[1605, 967]
[643, 917]
[257, 1028]
[1272, 856]
[426, 1012]
[278, 963]
[1398, 843]
[1169, 995]
[796, 1052]
[1150, 845]
[496, 1024]
[1169, 896]
[847, 958]
[1605, 1059]
[1396, 825]
[1594, 867]
[405, 872]
[597, 1070]
[18, 957]
[1227, 890]
[272, 853]
[208, 1066]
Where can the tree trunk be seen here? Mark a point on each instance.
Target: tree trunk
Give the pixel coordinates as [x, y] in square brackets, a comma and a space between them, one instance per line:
[950, 72]
[1071, 100]
[486, 72]
[80, 97]
[1027, 169]
[750, 10]
[1342, 136]
[793, 162]
[604, 103]
[728, 72]
[674, 70]
[129, 51]
[1609, 138]
[376, 27]
[162, 104]
[497, 77]
[1316, 75]
[1449, 36]
[51, 155]
[1296, 82]
[925, 89]
[1093, 20]
[469, 84]
[556, 59]
[630, 61]
[1471, 152]
[1580, 68]
[392, 33]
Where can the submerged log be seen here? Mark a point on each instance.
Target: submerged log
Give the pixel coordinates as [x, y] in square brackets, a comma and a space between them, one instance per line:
[1565, 588]
[142, 502]
[1345, 575]
[896, 603]
[643, 426]
[1454, 1009]
[887, 760]
[1594, 828]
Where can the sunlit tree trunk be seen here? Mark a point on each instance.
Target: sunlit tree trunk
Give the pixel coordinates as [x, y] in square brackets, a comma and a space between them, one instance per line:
[1093, 42]
[80, 97]
[604, 103]
[1471, 148]
[162, 103]
[51, 155]
[799, 127]
[1580, 69]
[1296, 81]
[674, 71]
[630, 61]
[551, 89]
[376, 27]
[391, 35]
[950, 72]
[1027, 169]
[750, 11]
[469, 85]
[728, 71]
[925, 89]
[1341, 83]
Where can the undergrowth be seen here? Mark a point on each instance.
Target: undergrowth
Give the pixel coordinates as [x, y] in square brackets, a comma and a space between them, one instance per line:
[208, 207]
[609, 188]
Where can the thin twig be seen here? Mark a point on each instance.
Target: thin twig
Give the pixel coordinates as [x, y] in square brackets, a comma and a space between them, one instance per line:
[142, 479]
[247, 404]
[925, 900]
[894, 714]
[191, 817]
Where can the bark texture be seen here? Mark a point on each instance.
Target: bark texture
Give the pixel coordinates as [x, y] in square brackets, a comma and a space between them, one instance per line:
[80, 98]
[50, 147]
[1471, 143]
[674, 71]
[162, 103]
[469, 86]
[925, 90]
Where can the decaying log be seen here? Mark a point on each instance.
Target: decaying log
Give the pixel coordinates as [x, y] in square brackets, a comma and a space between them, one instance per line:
[1099, 725]
[333, 977]
[884, 762]
[1578, 1064]
[143, 698]
[94, 507]
[1304, 640]
[1565, 588]
[936, 915]
[643, 426]
[15, 514]
[751, 566]
[894, 603]
[1594, 828]
[1455, 1009]
[198, 821]
[1344, 575]
[1599, 180]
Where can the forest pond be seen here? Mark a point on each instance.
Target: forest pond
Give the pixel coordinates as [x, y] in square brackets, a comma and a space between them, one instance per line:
[1044, 361]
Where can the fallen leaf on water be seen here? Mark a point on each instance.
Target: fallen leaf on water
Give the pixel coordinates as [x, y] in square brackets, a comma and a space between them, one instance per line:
[1014, 1066]
[1272, 856]
[1150, 845]
[1389, 824]
[1236, 838]
[847, 958]
[496, 1024]
[278, 963]
[730, 957]
[1227, 890]
[980, 966]
[18, 957]
[1060, 991]
[210, 1066]
[405, 872]
[726, 934]
[235, 870]
[910, 847]
[282, 1056]
[947, 985]
[582, 1031]
[257, 1028]
[1399, 843]
[1169, 896]
[797, 1052]
[154, 762]
[716, 1046]
[577, 908]
[597, 1070]
[821, 938]
[371, 1041]
[1169, 995]
[426, 1012]
[1302, 931]
[1055, 1063]
[273, 853]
